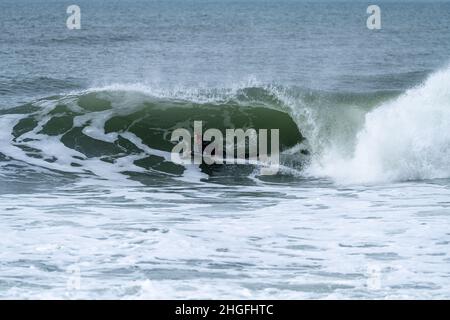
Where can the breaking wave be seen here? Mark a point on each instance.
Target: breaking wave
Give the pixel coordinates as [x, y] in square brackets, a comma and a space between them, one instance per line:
[123, 131]
[407, 138]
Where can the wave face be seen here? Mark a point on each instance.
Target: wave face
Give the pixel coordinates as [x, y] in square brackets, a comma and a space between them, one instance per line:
[407, 138]
[124, 131]
[117, 130]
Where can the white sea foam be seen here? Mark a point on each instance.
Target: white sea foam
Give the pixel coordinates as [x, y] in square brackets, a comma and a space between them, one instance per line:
[302, 241]
[404, 139]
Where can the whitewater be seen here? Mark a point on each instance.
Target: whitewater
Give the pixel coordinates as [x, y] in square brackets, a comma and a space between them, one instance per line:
[403, 139]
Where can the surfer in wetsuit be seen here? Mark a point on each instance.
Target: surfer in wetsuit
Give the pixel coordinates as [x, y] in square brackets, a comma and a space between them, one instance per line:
[198, 148]
[200, 145]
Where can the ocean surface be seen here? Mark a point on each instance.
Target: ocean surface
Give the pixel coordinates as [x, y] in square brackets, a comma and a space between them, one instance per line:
[92, 207]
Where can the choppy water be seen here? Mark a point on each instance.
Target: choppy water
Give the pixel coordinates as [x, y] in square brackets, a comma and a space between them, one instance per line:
[92, 207]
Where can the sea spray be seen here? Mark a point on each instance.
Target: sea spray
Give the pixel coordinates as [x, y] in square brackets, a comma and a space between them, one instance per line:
[407, 138]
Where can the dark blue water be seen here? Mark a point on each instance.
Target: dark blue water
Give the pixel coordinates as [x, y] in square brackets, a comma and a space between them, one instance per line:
[314, 45]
